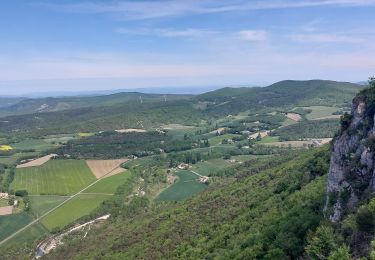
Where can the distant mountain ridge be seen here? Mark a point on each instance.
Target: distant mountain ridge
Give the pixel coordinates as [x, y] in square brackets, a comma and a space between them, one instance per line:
[125, 110]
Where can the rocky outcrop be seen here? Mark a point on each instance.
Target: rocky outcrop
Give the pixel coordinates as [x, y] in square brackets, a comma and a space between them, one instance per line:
[351, 175]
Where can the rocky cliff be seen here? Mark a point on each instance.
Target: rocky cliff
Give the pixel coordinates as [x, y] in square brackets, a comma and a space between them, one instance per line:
[352, 169]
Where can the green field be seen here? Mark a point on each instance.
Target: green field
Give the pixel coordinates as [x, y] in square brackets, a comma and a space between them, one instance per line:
[184, 188]
[320, 111]
[12, 159]
[269, 139]
[43, 203]
[11, 223]
[74, 209]
[218, 139]
[59, 177]
[109, 184]
[60, 138]
[288, 121]
[29, 235]
[36, 144]
[244, 158]
[210, 167]
[3, 202]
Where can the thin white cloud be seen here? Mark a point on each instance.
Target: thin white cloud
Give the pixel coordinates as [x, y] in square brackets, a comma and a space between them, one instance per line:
[323, 38]
[167, 32]
[252, 35]
[158, 9]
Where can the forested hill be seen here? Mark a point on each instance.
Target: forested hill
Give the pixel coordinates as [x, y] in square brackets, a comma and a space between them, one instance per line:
[265, 212]
[127, 110]
[51, 104]
[288, 93]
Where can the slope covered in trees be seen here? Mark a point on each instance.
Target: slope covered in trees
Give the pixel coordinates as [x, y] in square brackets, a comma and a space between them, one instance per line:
[262, 211]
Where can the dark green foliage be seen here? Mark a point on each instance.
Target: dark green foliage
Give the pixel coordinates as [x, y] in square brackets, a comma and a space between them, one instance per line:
[21, 193]
[323, 243]
[308, 129]
[267, 121]
[109, 145]
[345, 121]
[107, 118]
[279, 95]
[244, 219]
[365, 219]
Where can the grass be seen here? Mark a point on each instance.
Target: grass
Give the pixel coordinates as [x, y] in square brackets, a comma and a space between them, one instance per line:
[109, 184]
[295, 144]
[218, 139]
[29, 235]
[12, 159]
[269, 139]
[209, 167]
[44, 203]
[86, 134]
[59, 177]
[184, 188]
[288, 121]
[320, 111]
[63, 138]
[3, 203]
[74, 209]
[244, 158]
[5, 148]
[36, 144]
[11, 223]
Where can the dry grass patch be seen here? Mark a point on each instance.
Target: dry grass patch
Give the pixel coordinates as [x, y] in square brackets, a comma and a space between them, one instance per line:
[37, 162]
[130, 130]
[101, 168]
[295, 117]
[7, 210]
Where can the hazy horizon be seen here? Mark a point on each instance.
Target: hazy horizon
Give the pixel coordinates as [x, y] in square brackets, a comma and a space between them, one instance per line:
[54, 46]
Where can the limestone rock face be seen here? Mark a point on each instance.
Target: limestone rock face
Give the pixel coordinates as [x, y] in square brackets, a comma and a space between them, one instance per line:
[351, 175]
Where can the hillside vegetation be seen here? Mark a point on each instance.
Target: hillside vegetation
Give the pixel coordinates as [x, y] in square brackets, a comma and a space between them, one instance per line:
[124, 111]
[265, 215]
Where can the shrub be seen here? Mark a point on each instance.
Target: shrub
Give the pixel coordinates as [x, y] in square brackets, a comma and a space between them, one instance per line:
[365, 220]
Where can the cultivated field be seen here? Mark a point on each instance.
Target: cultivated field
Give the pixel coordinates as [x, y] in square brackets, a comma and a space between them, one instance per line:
[210, 167]
[262, 134]
[36, 144]
[320, 112]
[293, 116]
[59, 177]
[110, 184]
[43, 203]
[218, 139]
[299, 144]
[6, 148]
[131, 130]
[3, 202]
[37, 162]
[6, 210]
[269, 139]
[85, 134]
[74, 209]
[187, 185]
[10, 224]
[106, 168]
[26, 237]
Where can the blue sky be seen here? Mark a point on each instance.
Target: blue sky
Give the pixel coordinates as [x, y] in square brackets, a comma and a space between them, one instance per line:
[96, 45]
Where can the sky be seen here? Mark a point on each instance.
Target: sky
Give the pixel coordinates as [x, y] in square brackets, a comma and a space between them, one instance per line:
[97, 45]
